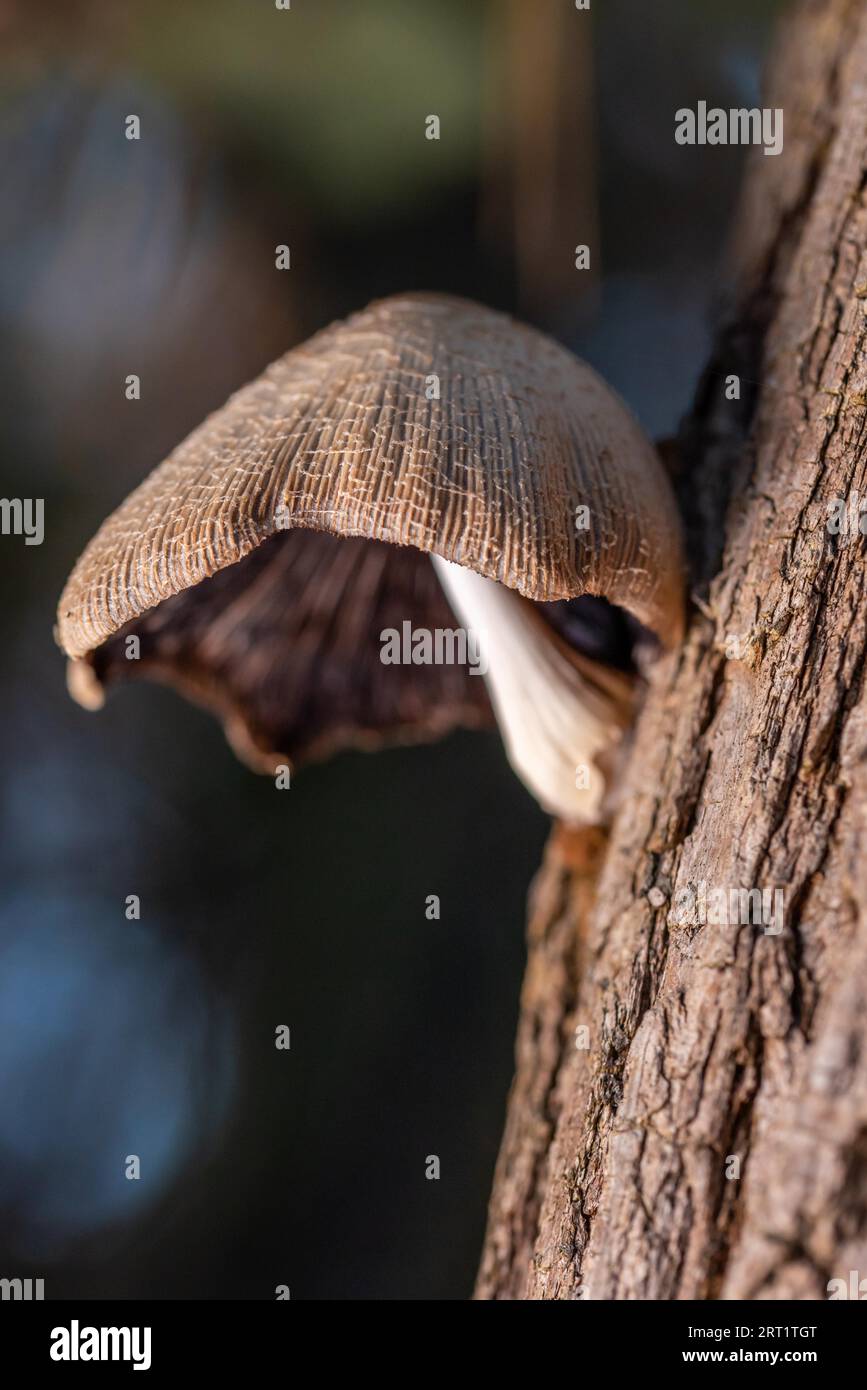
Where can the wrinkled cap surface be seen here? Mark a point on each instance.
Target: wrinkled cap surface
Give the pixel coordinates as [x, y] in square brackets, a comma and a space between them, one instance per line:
[423, 422]
[345, 434]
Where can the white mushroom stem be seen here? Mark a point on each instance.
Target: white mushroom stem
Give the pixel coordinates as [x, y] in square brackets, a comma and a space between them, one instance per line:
[558, 712]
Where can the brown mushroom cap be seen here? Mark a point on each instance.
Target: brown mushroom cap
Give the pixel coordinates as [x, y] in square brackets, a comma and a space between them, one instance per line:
[340, 436]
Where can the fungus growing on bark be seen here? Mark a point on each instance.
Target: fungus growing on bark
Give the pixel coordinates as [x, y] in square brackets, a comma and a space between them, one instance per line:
[260, 565]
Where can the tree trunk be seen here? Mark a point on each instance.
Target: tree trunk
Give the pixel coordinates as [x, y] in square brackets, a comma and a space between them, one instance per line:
[710, 1140]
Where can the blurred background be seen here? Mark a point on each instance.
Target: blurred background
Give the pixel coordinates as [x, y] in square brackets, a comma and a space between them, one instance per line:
[155, 1037]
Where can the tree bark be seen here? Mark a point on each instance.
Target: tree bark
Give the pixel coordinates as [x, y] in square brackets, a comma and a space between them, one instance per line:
[711, 1141]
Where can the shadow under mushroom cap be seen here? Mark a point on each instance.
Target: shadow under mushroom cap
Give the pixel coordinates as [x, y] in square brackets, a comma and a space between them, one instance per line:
[284, 647]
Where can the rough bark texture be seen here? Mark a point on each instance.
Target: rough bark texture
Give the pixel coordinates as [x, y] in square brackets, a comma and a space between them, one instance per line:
[707, 1042]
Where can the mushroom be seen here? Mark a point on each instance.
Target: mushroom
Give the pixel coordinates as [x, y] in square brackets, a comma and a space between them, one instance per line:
[261, 564]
